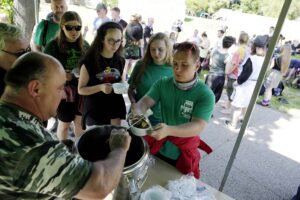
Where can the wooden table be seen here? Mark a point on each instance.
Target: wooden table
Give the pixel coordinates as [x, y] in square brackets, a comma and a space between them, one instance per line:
[162, 172]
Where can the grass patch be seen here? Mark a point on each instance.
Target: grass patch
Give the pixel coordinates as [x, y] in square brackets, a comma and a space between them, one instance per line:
[290, 94]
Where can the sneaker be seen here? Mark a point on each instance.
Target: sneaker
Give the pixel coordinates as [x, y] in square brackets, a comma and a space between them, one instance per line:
[262, 104]
[229, 125]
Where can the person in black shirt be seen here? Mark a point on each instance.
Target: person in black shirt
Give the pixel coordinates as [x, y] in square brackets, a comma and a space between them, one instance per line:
[102, 66]
[148, 31]
[68, 47]
[280, 65]
[133, 43]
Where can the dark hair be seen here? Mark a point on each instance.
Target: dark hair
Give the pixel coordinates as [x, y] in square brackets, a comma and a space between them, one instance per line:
[93, 53]
[28, 67]
[204, 34]
[228, 41]
[187, 46]
[62, 38]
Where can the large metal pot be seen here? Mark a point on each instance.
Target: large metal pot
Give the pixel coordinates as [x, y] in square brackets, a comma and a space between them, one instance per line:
[93, 146]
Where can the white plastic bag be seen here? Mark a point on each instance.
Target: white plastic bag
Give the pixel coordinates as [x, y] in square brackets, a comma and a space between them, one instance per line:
[156, 193]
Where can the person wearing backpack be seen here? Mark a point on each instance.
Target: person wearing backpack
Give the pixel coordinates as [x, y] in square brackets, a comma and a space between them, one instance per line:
[47, 29]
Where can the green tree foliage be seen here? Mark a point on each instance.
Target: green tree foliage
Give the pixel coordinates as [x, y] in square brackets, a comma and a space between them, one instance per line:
[294, 11]
[266, 7]
[111, 3]
[6, 6]
[250, 6]
[215, 5]
[194, 7]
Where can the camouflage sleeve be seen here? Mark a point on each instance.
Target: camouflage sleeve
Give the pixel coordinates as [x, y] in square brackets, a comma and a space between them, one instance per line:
[49, 168]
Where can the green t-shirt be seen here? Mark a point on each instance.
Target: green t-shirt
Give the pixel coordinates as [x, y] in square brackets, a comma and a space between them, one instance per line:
[70, 57]
[52, 31]
[180, 106]
[152, 73]
[34, 164]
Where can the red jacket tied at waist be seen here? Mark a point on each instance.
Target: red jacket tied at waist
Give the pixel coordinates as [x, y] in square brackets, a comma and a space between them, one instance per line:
[189, 158]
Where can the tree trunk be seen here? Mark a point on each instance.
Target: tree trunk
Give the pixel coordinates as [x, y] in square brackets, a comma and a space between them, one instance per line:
[24, 16]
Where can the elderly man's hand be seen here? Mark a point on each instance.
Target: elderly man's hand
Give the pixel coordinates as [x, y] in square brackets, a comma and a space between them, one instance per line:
[119, 139]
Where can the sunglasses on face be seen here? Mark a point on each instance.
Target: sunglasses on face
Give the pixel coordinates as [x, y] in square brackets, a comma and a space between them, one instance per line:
[18, 54]
[114, 42]
[70, 28]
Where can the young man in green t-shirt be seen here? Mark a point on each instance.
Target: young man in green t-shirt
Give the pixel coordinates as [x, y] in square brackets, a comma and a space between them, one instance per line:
[186, 107]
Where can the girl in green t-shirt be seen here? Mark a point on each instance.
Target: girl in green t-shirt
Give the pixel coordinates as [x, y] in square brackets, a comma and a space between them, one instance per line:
[155, 65]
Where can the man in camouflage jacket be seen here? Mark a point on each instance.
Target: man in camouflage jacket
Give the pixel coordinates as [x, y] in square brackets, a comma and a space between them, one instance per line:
[34, 164]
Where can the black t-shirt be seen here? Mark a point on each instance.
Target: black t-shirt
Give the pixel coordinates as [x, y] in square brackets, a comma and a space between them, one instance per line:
[2, 83]
[99, 108]
[148, 32]
[123, 23]
[134, 31]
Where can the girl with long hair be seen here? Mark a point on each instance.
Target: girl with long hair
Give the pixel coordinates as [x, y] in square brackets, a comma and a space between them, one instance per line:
[156, 64]
[280, 65]
[100, 68]
[68, 47]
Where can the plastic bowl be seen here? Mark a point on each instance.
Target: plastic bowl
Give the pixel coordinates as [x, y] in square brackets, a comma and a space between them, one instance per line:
[120, 88]
[139, 131]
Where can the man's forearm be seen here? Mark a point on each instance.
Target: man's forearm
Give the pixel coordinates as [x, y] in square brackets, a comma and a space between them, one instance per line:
[105, 176]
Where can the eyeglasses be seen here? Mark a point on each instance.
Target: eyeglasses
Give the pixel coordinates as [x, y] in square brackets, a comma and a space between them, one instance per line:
[183, 46]
[18, 54]
[70, 28]
[114, 42]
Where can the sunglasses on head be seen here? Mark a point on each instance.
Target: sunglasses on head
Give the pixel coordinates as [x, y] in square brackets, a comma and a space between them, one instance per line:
[18, 54]
[70, 28]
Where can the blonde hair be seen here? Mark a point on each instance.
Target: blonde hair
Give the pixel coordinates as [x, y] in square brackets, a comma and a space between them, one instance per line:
[9, 32]
[285, 55]
[147, 59]
[243, 38]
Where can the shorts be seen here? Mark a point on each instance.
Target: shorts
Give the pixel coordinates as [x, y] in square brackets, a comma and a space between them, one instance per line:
[67, 111]
[273, 79]
[216, 84]
[101, 111]
[229, 87]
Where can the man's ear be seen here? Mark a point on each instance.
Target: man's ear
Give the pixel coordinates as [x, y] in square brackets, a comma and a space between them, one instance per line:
[34, 88]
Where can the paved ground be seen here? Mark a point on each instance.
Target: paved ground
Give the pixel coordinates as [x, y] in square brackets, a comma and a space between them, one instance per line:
[267, 165]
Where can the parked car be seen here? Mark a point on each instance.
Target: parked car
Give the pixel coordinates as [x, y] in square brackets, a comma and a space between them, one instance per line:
[203, 14]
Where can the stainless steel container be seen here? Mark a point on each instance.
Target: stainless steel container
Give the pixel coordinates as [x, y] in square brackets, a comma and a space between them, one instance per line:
[92, 146]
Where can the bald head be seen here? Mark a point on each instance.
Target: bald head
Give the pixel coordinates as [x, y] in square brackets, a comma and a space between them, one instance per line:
[58, 7]
[31, 66]
[36, 84]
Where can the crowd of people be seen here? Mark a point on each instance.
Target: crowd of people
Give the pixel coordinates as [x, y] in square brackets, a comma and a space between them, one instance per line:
[68, 79]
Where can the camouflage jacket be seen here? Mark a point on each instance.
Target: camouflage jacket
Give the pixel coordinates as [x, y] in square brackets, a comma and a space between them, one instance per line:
[35, 165]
